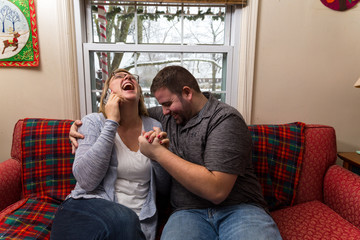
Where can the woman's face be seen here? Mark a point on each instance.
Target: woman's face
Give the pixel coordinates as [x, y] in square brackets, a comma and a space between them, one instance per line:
[125, 85]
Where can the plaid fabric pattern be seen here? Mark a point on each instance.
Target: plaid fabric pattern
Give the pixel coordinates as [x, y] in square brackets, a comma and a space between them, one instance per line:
[46, 178]
[46, 158]
[32, 220]
[277, 156]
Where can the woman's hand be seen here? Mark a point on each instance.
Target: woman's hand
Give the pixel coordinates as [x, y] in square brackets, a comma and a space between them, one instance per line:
[153, 143]
[112, 108]
[158, 135]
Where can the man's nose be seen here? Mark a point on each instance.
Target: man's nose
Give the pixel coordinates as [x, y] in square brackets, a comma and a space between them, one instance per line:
[166, 110]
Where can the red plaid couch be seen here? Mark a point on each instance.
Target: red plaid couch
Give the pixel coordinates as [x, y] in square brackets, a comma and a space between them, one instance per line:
[309, 196]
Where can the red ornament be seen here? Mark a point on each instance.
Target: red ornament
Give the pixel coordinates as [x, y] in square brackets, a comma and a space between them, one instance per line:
[340, 5]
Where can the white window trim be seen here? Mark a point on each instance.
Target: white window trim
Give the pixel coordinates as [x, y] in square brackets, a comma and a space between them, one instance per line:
[240, 91]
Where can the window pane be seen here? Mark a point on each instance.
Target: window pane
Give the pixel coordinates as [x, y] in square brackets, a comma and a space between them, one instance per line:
[206, 67]
[153, 23]
[204, 25]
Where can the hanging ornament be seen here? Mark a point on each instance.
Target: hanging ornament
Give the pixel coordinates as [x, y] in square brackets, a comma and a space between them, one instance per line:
[339, 5]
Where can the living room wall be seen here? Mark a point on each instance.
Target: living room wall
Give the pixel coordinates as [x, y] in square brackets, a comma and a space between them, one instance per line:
[307, 61]
[50, 90]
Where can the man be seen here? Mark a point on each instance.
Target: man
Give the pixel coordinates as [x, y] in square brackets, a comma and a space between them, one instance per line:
[214, 192]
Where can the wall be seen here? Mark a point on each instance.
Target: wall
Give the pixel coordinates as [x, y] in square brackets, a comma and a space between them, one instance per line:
[47, 91]
[307, 61]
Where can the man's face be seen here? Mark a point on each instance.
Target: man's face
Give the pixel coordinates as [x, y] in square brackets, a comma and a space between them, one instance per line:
[173, 105]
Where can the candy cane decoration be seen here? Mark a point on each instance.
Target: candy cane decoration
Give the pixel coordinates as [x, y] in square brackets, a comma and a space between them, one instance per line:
[103, 55]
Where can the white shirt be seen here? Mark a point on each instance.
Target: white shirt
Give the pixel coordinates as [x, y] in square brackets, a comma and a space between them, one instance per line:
[133, 176]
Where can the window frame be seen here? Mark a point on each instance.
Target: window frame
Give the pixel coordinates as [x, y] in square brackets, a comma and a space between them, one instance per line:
[240, 50]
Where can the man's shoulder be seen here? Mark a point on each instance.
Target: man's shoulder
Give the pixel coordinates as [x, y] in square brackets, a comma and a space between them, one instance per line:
[224, 110]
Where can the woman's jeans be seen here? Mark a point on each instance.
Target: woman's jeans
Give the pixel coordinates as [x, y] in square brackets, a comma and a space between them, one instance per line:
[236, 222]
[95, 219]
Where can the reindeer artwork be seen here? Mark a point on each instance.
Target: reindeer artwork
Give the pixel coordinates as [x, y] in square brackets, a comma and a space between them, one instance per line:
[12, 43]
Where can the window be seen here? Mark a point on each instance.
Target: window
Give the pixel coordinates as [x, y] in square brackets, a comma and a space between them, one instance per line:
[144, 37]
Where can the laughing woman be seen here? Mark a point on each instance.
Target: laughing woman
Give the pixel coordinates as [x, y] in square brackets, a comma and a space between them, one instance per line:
[114, 196]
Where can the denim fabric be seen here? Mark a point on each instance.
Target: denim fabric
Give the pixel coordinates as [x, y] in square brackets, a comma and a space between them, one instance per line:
[236, 222]
[96, 172]
[84, 219]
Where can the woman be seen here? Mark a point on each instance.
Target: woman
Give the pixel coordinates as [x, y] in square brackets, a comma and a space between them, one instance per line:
[114, 197]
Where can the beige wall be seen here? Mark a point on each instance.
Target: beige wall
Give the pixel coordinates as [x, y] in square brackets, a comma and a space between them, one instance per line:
[307, 61]
[47, 91]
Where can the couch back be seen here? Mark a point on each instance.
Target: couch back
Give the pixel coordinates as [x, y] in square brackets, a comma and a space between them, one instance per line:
[46, 158]
[277, 156]
[320, 153]
[44, 149]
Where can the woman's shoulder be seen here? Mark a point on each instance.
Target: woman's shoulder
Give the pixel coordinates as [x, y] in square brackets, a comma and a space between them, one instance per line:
[94, 118]
[149, 123]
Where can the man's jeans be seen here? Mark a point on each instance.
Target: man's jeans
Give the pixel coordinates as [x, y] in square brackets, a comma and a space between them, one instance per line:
[237, 222]
[95, 219]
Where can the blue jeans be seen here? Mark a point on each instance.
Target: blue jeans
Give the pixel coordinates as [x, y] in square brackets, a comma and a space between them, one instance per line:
[236, 222]
[95, 219]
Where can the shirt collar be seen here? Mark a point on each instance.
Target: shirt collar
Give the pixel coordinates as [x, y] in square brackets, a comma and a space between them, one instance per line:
[205, 112]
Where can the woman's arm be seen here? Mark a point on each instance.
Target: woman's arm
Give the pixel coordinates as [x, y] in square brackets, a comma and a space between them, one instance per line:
[93, 155]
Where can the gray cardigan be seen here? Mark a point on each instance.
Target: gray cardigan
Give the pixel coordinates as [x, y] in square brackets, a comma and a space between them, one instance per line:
[95, 168]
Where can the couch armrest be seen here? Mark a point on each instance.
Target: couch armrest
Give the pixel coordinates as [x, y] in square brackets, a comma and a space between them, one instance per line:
[10, 182]
[342, 193]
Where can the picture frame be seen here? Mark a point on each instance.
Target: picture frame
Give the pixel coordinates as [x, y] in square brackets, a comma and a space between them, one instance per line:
[18, 34]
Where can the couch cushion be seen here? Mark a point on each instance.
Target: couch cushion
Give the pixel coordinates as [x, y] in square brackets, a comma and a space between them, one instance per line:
[46, 158]
[313, 220]
[32, 220]
[277, 157]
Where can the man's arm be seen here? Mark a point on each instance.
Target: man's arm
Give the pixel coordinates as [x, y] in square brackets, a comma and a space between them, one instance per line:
[214, 186]
[156, 113]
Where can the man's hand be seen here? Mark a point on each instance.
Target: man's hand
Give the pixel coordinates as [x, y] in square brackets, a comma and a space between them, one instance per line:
[74, 135]
[152, 142]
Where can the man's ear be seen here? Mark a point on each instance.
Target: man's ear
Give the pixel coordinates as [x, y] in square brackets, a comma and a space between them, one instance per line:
[187, 93]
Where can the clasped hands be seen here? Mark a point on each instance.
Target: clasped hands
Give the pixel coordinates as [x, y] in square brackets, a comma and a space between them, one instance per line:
[151, 143]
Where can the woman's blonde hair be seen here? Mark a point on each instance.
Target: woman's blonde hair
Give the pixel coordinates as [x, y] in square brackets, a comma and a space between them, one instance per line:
[141, 106]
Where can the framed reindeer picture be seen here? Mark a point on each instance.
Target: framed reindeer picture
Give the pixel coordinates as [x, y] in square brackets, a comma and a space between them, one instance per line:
[18, 34]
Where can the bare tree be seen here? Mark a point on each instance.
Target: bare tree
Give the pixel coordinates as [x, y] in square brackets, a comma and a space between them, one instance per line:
[13, 17]
[4, 11]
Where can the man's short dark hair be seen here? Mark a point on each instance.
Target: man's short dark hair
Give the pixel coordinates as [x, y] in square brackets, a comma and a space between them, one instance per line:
[174, 78]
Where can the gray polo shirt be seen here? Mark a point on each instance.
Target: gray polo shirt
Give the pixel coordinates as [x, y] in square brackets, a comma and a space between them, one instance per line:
[217, 138]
